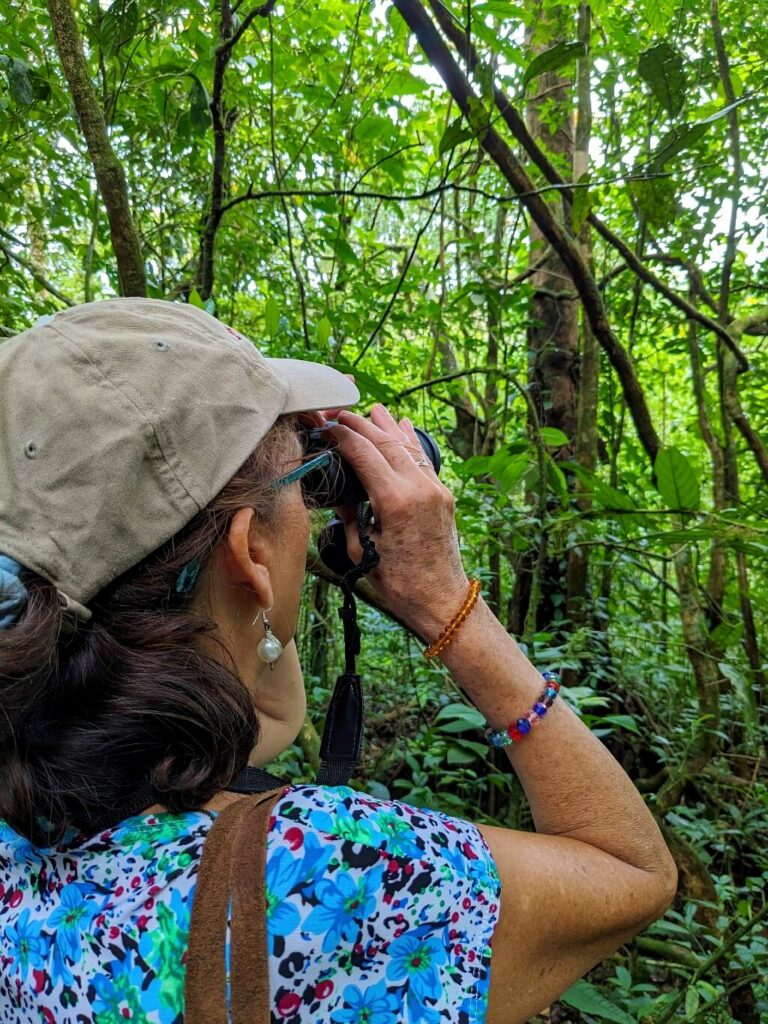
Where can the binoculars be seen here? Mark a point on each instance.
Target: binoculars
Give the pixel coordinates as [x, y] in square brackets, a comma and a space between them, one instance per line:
[336, 485]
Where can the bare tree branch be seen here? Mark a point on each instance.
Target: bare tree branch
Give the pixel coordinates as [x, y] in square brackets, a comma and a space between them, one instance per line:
[36, 275]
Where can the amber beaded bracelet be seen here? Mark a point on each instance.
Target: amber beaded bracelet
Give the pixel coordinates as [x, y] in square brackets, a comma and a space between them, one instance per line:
[448, 633]
[517, 730]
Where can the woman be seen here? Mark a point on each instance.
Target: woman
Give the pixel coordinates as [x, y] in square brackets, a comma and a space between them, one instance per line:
[153, 534]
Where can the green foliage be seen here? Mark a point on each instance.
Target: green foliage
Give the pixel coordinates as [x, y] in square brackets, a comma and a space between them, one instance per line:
[676, 480]
[585, 996]
[553, 59]
[360, 226]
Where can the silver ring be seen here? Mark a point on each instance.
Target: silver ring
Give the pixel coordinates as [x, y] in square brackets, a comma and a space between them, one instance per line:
[423, 462]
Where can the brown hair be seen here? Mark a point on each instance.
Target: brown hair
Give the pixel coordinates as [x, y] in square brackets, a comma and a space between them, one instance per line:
[89, 714]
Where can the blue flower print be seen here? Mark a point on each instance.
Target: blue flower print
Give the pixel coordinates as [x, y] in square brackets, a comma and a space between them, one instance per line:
[25, 943]
[399, 837]
[71, 919]
[344, 825]
[23, 850]
[367, 1006]
[415, 959]
[283, 872]
[342, 903]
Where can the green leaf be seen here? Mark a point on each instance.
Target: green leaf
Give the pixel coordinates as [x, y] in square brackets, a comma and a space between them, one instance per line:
[585, 997]
[456, 755]
[656, 200]
[199, 107]
[195, 300]
[271, 316]
[369, 386]
[344, 250]
[659, 13]
[691, 1003]
[676, 480]
[323, 331]
[458, 717]
[622, 722]
[661, 67]
[210, 307]
[502, 9]
[687, 134]
[553, 437]
[552, 59]
[726, 634]
[20, 82]
[675, 141]
[456, 133]
[372, 127]
[583, 201]
[743, 687]
[118, 26]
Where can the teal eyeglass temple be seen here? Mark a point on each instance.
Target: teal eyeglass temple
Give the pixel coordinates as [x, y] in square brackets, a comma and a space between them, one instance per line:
[188, 575]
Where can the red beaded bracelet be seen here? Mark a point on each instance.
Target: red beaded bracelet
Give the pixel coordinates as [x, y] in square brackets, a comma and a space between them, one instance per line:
[517, 730]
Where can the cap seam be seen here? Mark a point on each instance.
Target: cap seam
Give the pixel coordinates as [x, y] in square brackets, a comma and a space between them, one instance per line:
[145, 418]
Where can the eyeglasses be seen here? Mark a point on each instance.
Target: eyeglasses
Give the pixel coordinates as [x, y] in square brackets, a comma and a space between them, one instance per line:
[317, 462]
[188, 577]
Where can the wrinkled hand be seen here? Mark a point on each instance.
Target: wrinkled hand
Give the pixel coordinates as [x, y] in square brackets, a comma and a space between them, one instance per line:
[420, 577]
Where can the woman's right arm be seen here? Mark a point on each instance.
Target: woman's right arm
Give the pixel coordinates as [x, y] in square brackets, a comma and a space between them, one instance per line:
[597, 870]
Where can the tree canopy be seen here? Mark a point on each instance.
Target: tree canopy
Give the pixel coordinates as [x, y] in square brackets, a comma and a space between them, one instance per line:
[538, 229]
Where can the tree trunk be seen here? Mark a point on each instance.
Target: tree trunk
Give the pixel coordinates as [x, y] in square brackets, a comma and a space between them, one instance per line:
[577, 609]
[110, 176]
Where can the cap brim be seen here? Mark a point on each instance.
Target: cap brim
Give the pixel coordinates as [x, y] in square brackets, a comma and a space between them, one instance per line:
[313, 386]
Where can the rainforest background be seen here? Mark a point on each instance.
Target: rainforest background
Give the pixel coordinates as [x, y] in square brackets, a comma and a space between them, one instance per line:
[538, 229]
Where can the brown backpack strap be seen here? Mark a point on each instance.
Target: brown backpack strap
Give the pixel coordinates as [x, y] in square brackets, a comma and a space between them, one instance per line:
[231, 870]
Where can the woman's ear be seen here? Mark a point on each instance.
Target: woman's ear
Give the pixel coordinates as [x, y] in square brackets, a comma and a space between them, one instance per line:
[246, 559]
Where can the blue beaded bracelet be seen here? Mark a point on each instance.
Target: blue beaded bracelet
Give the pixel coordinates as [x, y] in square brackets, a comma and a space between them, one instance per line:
[517, 730]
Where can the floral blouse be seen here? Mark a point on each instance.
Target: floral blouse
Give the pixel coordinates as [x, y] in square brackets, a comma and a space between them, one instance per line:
[377, 913]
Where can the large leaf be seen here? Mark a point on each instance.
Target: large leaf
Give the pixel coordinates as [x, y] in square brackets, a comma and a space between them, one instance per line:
[118, 26]
[662, 68]
[585, 997]
[676, 480]
[459, 717]
[743, 687]
[656, 199]
[199, 106]
[553, 59]
[19, 81]
[271, 316]
[456, 133]
[659, 13]
[685, 135]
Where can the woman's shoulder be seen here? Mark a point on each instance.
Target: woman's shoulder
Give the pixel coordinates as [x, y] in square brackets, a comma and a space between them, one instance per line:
[390, 827]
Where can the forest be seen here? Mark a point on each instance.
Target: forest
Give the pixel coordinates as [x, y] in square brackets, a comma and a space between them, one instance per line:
[538, 229]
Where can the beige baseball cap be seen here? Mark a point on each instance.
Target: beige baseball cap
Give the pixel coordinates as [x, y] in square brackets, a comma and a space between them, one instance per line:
[120, 420]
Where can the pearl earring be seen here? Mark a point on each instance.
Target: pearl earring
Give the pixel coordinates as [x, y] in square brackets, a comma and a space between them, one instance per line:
[269, 648]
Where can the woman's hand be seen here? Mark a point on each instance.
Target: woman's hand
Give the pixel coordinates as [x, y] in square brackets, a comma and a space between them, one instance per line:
[420, 576]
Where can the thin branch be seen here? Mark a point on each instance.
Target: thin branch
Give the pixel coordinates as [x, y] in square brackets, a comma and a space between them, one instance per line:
[258, 12]
[410, 197]
[41, 279]
[406, 266]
